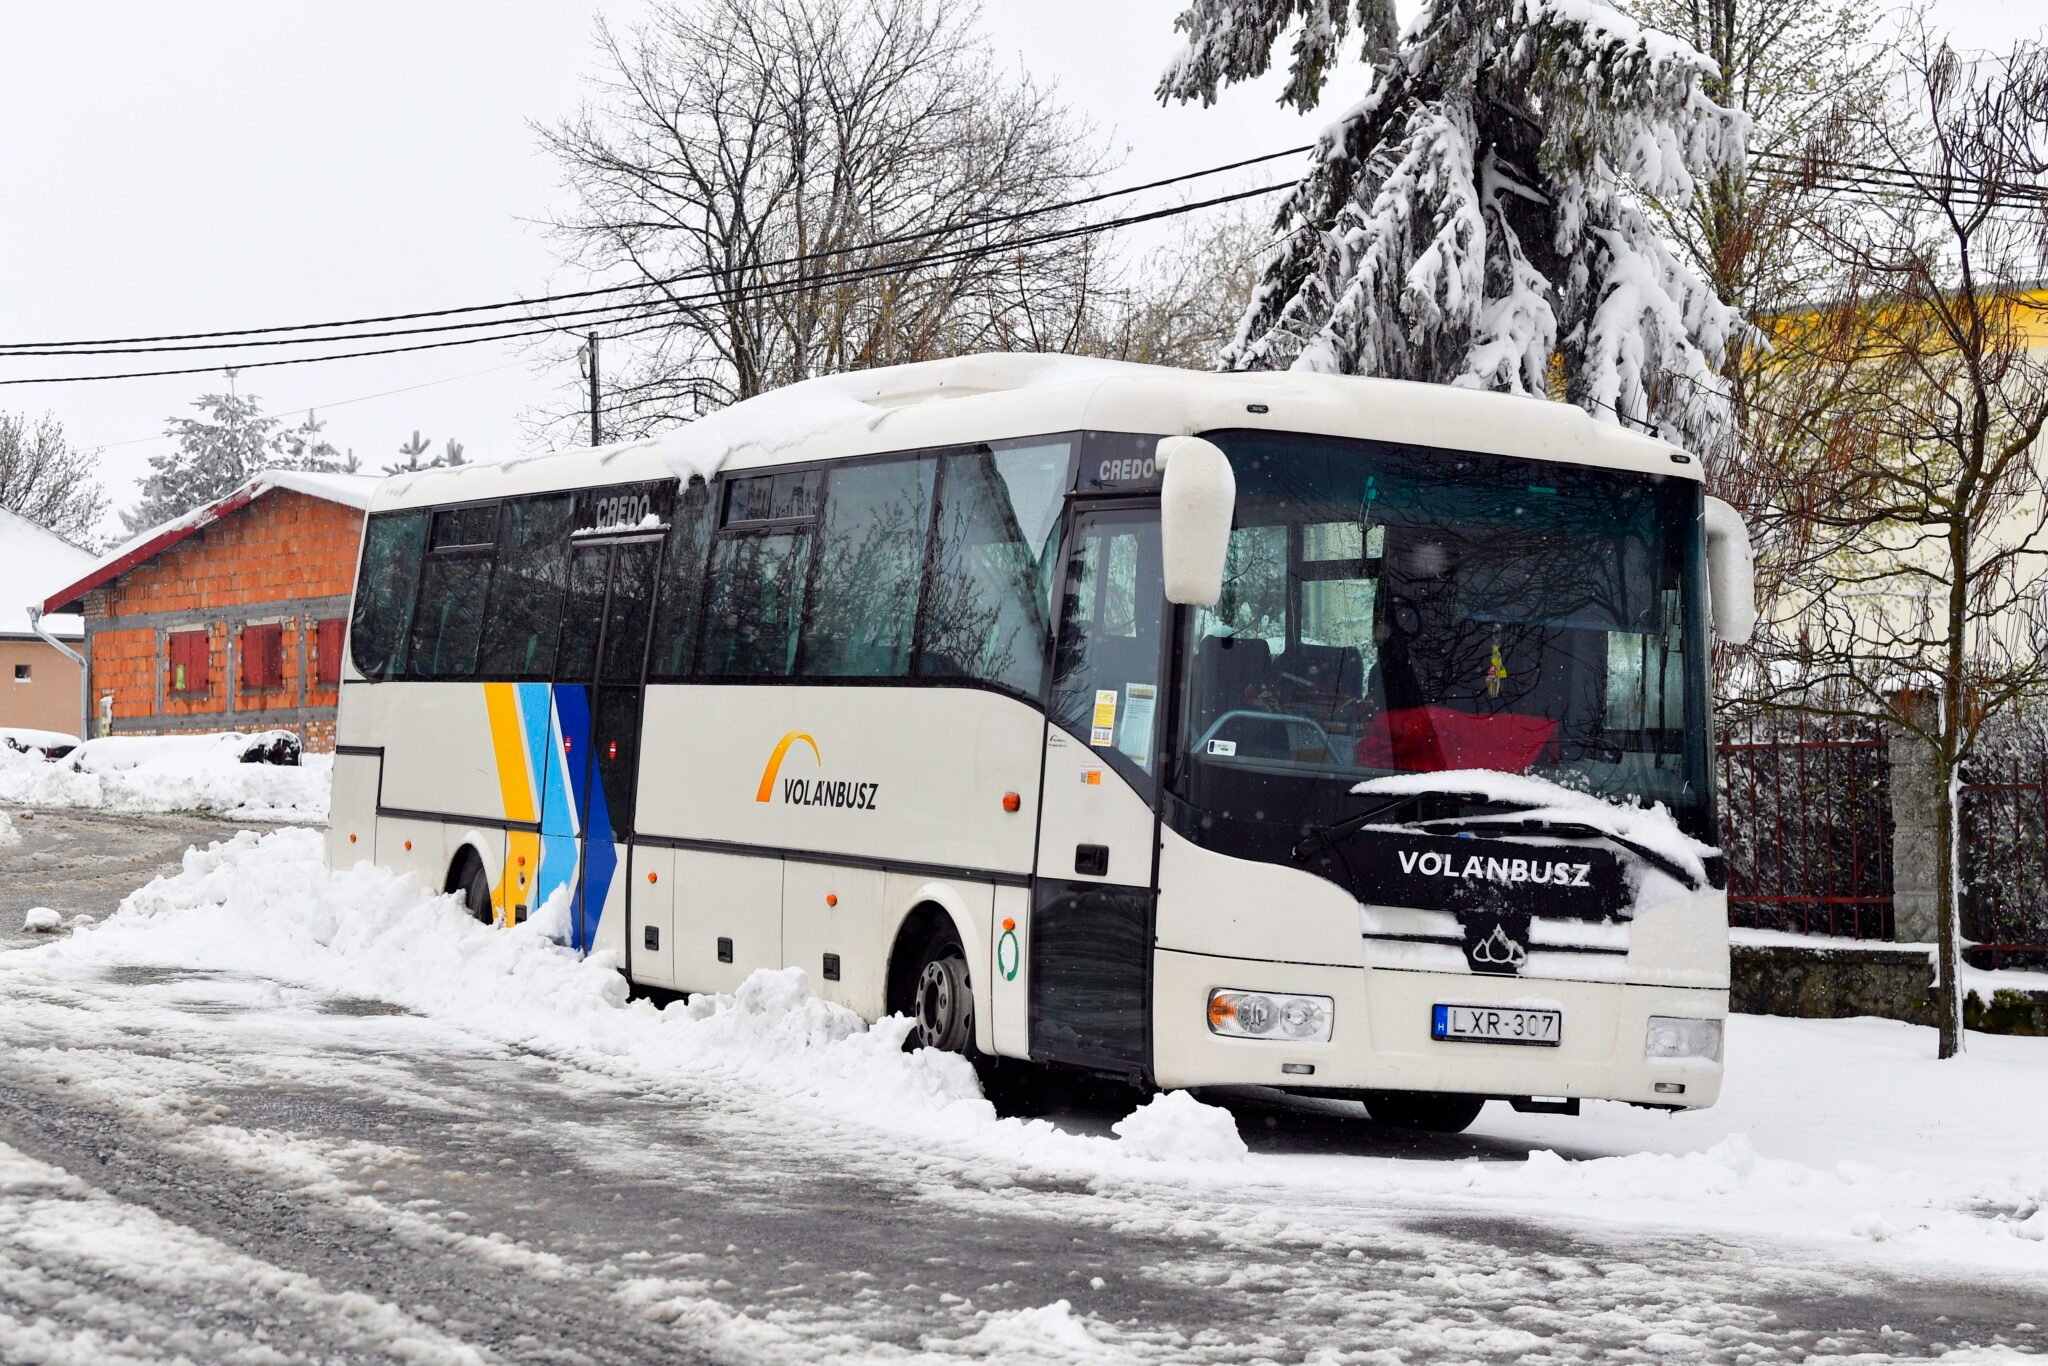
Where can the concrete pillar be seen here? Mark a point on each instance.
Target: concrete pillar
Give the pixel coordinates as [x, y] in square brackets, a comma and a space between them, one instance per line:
[1915, 798]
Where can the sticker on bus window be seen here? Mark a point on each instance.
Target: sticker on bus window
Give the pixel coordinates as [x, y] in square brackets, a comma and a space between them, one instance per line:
[1103, 733]
[1139, 701]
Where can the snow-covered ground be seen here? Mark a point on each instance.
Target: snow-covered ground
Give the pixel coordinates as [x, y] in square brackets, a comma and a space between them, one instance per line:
[170, 773]
[1846, 1135]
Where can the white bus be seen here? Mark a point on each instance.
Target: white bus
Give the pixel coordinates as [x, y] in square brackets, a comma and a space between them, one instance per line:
[1036, 705]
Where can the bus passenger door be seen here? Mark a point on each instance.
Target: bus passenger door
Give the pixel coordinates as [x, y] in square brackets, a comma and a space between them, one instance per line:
[1090, 930]
[598, 702]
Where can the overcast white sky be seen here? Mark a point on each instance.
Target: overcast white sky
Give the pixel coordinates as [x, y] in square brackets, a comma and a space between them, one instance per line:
[208, 164]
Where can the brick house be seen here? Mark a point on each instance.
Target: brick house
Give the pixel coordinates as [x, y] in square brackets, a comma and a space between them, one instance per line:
[38, 683]
[231, 617]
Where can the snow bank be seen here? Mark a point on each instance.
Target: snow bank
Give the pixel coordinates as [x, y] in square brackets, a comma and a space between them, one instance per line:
[41, 920]
[172, 773]
[8, 834]
[1174, 1126]
[1842, 1133]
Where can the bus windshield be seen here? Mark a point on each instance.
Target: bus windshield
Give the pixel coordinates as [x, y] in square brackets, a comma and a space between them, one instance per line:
[1395, 609]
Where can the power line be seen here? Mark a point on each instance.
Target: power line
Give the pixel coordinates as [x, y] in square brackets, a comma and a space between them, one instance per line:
[943, 230]
[337, 403]
[772, 290]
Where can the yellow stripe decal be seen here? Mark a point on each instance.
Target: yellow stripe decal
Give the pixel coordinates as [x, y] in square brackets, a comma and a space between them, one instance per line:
[515, 790]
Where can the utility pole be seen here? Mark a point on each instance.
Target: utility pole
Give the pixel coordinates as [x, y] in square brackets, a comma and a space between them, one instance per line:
[590, 352]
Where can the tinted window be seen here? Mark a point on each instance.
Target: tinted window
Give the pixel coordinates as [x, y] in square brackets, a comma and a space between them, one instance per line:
[474, 525]
[580, 619]
[1106, 678]
[682, 585]
[757, 590]
[526, 593]
[773, 497]
[988, 606]
[382, 621]
[870, 557]
[632, 603]
[449, 620]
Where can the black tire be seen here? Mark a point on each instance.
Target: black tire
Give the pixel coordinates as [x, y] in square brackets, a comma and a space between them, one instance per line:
[942, 998]
[469, 881]
[1434, 1112]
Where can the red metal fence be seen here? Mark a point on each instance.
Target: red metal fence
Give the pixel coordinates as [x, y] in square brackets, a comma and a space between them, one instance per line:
[2005, 861]
[1807, 828]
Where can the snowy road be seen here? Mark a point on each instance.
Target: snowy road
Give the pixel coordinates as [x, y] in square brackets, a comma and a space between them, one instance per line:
[221, 1166]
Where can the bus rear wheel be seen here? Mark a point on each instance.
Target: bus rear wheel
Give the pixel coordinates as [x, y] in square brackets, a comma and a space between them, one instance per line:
[469, 880]
[1434, 1112]
[942, 1012]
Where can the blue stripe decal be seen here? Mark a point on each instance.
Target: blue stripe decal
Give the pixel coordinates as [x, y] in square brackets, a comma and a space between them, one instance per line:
[557, 812]
[572, 707]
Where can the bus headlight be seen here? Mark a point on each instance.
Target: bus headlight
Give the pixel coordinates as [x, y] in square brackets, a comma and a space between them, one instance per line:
[1674, 1036]
[1270, 1015]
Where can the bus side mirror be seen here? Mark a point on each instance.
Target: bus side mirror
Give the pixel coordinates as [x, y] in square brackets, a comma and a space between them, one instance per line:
[1731, 575]
[1197, 494]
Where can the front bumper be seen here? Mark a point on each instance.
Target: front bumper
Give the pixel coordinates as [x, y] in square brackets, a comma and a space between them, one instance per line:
[1381, 1036]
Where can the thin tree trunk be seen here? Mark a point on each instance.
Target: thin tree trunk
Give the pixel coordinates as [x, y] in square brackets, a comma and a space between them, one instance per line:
[1948, 995]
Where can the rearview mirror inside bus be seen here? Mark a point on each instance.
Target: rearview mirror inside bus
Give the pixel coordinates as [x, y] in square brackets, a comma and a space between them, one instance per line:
[1196, 495]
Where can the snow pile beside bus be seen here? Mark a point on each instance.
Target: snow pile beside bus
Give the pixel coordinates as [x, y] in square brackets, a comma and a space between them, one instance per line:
[267, 905]
[203, 773]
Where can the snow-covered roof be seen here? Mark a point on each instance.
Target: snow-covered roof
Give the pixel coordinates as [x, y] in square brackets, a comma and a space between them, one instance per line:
[350, 490]
[33, 561]
[999, 396]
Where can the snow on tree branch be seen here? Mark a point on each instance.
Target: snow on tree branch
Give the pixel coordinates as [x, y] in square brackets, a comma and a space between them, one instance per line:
[1473, 219]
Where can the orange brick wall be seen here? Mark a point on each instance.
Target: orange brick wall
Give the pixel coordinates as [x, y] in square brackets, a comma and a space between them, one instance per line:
[262, 563]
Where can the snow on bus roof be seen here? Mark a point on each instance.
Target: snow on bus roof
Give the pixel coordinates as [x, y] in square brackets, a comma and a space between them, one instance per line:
[1009, 395]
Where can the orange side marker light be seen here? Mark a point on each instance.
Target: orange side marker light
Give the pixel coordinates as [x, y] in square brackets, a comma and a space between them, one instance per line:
[1012, 802]
[408, 844]
[651, 878]
[1009, 924]
[351, 839]
[831, 898]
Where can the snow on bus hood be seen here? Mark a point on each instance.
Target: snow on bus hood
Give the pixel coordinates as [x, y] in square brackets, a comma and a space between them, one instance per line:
[1650, 826]
[784, 417]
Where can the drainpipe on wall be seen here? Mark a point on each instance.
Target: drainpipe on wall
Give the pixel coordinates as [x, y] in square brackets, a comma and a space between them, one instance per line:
[35, 623]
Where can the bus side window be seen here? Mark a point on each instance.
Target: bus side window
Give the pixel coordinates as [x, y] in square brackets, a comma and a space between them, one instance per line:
[448, 623]
[995, 555]
[682, 585]
[385, 588]
[757, 593]
[527, 589]
[870, 559]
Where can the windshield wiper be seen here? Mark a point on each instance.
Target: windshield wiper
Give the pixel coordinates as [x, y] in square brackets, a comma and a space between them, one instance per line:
[1332, 834]
[1577, 830]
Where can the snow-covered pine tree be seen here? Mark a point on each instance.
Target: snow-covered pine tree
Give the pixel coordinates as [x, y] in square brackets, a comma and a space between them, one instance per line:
[451, 453]
[1472, 219]
[214, 454]
[306, 447]
[412, 451]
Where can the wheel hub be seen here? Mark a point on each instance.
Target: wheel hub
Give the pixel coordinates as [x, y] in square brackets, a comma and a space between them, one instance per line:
[944, 1012]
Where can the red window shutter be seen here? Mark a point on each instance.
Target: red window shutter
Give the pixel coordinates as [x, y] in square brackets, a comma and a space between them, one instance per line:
[327, 651]
[263, 656]
[188, 659]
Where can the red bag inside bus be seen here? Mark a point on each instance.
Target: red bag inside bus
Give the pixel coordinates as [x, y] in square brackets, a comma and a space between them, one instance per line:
[1431, 739]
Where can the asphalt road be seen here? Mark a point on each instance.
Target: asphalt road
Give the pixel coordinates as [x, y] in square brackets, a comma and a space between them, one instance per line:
[215, 1168]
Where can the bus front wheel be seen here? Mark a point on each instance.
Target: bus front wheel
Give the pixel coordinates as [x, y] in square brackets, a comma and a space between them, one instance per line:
[1436, 1112]
[942, 1013]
